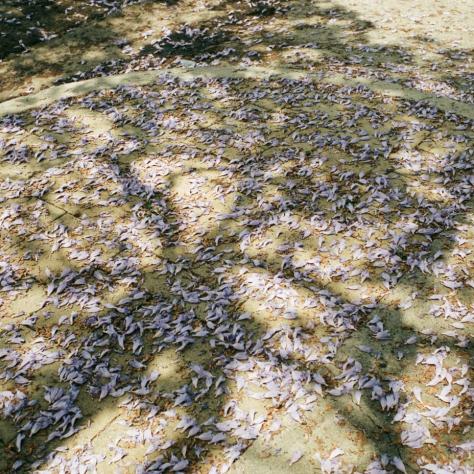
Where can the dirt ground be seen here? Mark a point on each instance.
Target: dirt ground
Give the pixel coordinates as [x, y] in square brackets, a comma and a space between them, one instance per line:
[236, 236]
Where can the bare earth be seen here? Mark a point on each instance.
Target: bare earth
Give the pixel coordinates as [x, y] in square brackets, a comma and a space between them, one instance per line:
[236, 236]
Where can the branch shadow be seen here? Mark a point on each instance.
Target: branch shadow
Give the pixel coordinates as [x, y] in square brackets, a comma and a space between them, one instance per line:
[267, 188]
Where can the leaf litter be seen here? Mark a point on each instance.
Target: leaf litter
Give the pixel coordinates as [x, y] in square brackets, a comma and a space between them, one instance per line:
[289, 245]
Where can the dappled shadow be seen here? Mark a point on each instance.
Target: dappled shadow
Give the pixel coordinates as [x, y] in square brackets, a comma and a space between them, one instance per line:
[178, 255]
[43, 40]
[259, 283]
[325, 38]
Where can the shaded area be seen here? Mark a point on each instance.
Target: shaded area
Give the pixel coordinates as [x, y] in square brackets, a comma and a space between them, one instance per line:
[25, 24]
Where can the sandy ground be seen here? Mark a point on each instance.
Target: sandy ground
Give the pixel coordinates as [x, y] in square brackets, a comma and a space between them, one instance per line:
[432, 39]
[242, 247]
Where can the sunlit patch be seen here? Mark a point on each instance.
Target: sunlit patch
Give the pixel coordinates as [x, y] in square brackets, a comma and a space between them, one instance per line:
[271, 294]
[97, 126]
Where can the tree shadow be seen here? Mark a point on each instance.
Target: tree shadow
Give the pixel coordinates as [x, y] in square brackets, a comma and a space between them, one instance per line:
[25, 24]
[276, 33]
[320, 175]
